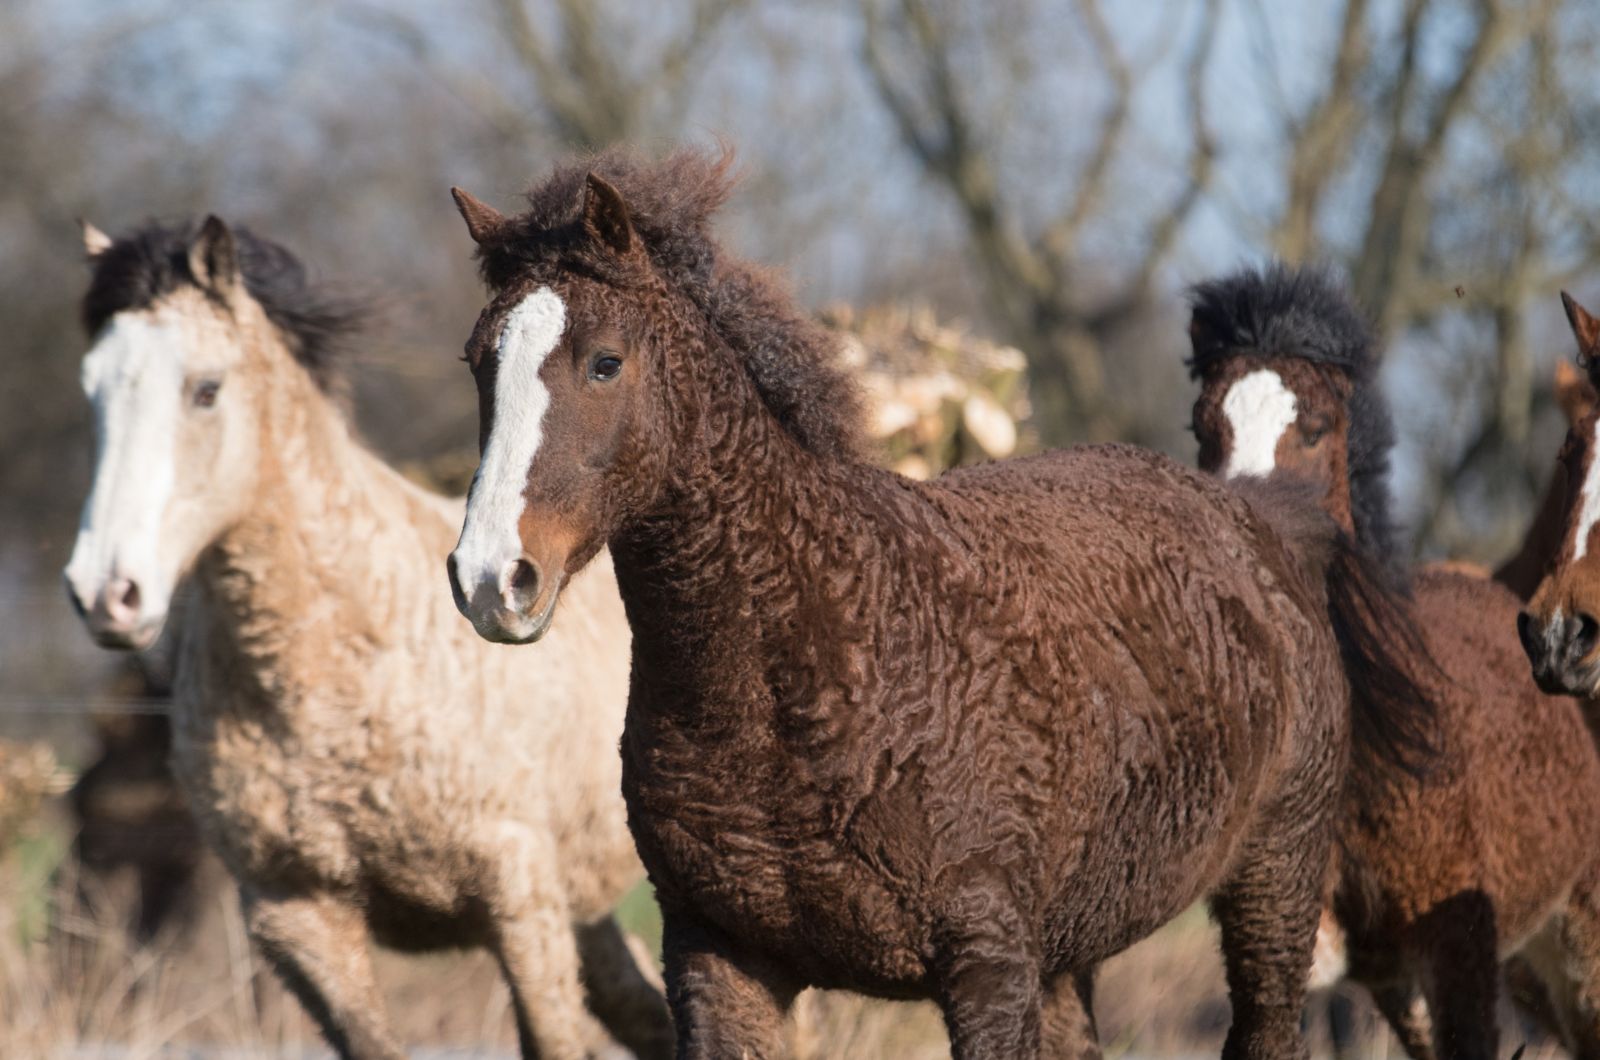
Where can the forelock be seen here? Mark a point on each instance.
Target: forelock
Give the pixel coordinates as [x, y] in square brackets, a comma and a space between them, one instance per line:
[1285, 313]
[792, 360]
[144, 265]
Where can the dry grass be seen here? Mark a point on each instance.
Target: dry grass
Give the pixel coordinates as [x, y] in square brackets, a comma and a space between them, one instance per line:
[71, 984]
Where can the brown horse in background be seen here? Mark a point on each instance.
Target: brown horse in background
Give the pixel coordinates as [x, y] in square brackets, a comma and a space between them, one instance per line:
[1493, 851]
[958, 740]
[1560, 629]
[1525, 569]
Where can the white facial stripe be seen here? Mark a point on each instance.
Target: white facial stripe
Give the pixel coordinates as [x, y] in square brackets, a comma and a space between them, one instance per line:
[1589, 502]
[134, 379]
[490, 541]
[1258, 408]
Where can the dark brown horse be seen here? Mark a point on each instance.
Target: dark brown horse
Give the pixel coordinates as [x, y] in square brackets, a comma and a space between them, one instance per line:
[1561, 628]
[1495, 850]
[958, 740]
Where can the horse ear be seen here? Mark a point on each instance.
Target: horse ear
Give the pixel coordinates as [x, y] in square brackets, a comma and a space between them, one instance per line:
[605, 215]
[1585, 328]
[95, 242]
[1574, 393]
[482, 219]
[214, 256]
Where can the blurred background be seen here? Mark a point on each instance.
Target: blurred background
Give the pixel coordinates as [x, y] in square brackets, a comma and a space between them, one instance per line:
[1039, 176]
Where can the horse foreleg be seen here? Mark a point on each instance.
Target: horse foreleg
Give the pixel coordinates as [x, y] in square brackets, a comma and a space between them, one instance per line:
[1406, 1012]
[725, 1004]
[1571, 970]
[1458, 940]
[318, 947]
[988, 980]
[629, 1004]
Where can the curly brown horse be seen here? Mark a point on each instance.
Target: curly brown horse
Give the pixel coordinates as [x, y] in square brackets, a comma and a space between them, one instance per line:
[1494, 850]
[958, 740]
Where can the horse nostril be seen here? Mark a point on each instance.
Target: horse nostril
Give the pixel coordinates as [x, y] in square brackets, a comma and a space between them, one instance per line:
[1530, 640]
[1584, 640]
[121, 601]
[521, 584]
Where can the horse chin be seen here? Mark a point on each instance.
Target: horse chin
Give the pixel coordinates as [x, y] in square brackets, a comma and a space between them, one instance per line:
[506, 627]
[138, 638]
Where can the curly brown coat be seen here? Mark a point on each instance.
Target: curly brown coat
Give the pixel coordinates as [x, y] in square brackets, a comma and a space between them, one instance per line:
[959, 740]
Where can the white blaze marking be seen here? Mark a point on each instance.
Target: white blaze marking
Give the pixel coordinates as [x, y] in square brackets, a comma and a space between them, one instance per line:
[134, 378]
[1258, 408]
[489, 538]
[1589, 510]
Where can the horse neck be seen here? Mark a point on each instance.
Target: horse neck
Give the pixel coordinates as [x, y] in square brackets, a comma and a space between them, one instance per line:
[328, 523]
[742, 527]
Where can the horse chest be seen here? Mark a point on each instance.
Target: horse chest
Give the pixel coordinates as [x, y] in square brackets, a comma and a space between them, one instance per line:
[284, 797]
[769, 863]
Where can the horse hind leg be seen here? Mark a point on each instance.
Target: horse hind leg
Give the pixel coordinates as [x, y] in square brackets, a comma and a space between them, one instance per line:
[318, 947]
[1268, 912]
[632, 1008]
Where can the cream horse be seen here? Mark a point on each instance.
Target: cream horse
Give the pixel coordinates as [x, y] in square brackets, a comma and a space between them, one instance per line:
[364, 763]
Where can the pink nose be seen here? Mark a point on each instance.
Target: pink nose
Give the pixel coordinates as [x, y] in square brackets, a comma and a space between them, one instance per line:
[118, 604]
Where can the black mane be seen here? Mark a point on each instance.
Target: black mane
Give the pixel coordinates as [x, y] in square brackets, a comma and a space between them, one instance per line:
[1304, 313]
[791, 359]
[152, 261]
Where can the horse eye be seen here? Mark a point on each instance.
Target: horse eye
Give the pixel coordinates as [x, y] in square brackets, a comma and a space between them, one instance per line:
[605, 367]
[205, 393]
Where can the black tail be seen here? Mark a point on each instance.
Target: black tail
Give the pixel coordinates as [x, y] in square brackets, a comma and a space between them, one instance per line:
[1394, 680]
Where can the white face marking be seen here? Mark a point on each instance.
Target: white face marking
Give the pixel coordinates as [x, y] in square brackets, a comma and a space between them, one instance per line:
[1589, 499]
[1259, 407]
[134, 379]
[490, 542]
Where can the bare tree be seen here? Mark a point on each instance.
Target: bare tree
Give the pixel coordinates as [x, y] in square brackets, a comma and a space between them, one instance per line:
[1470, 214]
[1032, 269]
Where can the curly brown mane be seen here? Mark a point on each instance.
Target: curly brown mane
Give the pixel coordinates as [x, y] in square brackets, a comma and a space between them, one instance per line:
[792, 360]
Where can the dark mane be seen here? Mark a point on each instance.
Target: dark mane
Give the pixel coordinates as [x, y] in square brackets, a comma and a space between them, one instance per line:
[792, 360]
[142, 266]
[1304, 313]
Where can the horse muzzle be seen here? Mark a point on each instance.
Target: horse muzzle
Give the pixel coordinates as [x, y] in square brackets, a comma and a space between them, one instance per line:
[1562, 651]
[116, 613]
[513, 605]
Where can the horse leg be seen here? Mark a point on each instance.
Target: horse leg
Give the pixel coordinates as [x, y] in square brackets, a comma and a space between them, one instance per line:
[1406, 1012]
[988, 980]
[627, 1002]
[318, 947]
[1066, 1028]
[1268, 913]
[1464, 979]
[1572, 972]
[724, 1004]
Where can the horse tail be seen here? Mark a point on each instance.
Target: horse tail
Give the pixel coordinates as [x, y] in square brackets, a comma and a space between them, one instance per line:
[1394, 680]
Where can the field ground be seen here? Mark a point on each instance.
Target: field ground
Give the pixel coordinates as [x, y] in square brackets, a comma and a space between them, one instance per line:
[71, 986]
